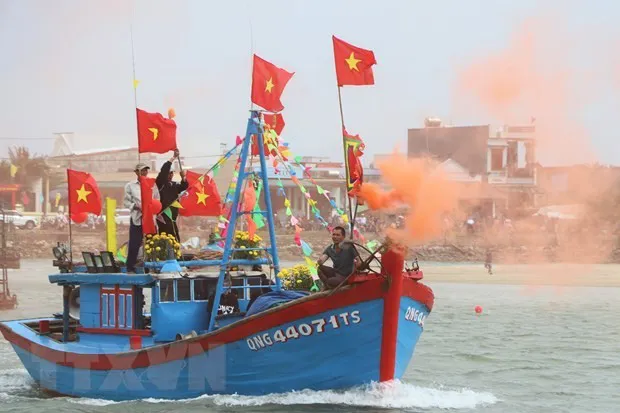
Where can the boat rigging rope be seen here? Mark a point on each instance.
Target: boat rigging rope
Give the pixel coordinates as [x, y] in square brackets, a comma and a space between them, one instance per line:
[219, 163]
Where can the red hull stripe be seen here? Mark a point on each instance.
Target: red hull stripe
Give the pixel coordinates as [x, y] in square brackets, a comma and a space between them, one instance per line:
[168, 352]
[118, 331]
[419, 292]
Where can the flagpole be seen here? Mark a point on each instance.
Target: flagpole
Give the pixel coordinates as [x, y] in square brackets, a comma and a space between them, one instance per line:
[251, 62]
[344, 150]
[135, 111]
[69, 208]
[134, 81]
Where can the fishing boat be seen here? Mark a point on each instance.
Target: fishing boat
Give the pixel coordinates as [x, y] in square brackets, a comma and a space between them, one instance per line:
[196, 338]
[107, 345]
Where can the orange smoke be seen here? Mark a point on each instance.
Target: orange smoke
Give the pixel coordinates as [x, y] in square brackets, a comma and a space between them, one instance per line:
[533, 80]
[419, 188]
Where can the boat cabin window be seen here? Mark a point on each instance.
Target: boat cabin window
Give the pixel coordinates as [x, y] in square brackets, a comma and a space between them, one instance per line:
[166, 290]
[201, 290]
[184, 292]
[240, 293]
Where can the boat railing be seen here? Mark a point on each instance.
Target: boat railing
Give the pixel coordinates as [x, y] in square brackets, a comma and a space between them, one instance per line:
[210, 263]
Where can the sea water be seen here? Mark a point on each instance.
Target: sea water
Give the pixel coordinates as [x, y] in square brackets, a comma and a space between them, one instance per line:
[532, 349]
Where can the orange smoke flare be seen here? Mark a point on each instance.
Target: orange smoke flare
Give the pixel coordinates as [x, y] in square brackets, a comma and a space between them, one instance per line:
[418, 186]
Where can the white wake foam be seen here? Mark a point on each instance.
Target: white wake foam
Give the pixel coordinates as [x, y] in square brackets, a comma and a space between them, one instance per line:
[92, 402]
[384, 395]
[395, 394]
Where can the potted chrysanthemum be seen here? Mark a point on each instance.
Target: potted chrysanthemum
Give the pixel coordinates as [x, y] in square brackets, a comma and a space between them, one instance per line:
[243, 241]
[161, 247]
[297, 278]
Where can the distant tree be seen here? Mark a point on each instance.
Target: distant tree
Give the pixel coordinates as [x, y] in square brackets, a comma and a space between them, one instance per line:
[29, 167]
[5, 172]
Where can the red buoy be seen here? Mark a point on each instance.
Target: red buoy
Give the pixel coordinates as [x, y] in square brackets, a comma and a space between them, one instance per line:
[478, 309]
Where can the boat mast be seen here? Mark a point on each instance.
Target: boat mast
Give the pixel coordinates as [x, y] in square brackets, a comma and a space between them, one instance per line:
[351, 213]
[255, 129]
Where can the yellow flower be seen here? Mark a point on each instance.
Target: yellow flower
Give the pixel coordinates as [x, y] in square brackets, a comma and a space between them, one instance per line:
[242, 247]
[163, 233]
[158, 249]
[299, 281]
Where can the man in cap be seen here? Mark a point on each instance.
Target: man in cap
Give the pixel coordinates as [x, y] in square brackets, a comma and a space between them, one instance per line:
[169, 192]
[133, 201]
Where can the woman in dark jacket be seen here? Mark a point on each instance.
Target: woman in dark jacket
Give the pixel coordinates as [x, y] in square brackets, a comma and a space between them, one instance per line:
[168, 193]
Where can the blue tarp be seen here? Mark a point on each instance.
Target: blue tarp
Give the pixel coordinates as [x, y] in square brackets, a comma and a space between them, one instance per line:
[212, 247]
[274, 299]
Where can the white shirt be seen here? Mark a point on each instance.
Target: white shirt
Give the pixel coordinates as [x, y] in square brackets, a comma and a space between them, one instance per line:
[133, 201]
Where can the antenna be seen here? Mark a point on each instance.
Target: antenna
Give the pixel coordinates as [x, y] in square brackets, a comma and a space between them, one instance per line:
[133, 70]
[251, 54]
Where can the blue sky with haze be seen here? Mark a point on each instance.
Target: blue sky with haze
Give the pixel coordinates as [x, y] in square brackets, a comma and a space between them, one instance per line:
[67, 66]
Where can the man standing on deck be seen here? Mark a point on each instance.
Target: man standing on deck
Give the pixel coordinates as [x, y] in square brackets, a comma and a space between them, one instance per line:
[133, 201]
[169, 192]
[345, 259]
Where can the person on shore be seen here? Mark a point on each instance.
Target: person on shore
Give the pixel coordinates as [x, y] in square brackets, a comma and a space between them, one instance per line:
[488, 261]
[344, 256]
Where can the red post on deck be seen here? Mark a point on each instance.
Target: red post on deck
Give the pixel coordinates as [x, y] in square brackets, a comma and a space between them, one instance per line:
[135, 342]
[44, 326]
[392, 262]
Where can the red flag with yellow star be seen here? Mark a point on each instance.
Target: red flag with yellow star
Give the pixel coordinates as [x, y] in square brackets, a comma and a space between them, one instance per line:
[150, 207]
[274, 121]
[353, 64]
[201, 198]
[354, 147]
[268, 83]
[84, 195]
[156, 134]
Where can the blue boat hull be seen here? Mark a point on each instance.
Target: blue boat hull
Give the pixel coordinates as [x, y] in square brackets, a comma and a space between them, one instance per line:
[325, 343]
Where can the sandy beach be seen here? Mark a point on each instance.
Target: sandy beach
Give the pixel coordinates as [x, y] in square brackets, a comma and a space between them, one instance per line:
[36, 295]
[587, 275]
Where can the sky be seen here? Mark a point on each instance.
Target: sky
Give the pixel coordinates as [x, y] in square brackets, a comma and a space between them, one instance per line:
[67, 66]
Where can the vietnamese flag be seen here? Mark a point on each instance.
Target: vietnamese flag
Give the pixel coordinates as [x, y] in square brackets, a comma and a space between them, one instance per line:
[202, 198]
[84, 195]
[353, 64]
[275, 121]
[149, 207]
[156, 134]
[268, 83]
[354, 149]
